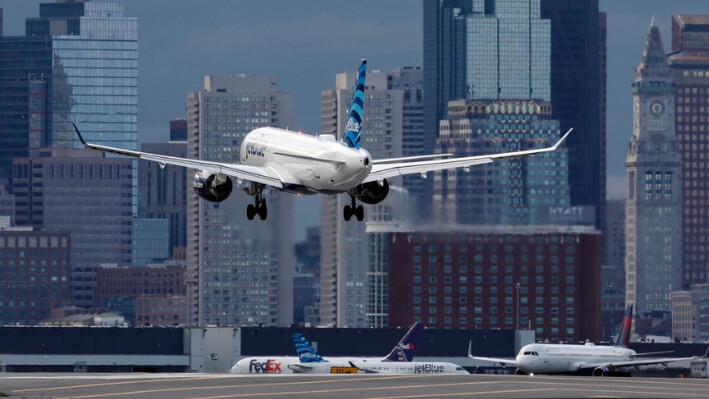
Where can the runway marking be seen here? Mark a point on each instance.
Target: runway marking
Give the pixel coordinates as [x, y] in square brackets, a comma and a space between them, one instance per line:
[357, 390]
[467, 393]
[206, 387]
[102, 384]
[674, 394]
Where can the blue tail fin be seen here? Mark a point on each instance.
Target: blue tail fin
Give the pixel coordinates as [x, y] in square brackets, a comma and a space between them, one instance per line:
[306, 353]
[353, 128]
[404, 350]
[624, 334]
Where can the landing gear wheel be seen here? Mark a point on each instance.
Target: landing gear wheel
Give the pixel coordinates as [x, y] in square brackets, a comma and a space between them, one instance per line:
[263, 210]
[347, 213]
[250, 212]
[359, 212]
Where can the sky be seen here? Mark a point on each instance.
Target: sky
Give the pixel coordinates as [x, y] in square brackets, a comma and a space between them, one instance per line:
[305, 43]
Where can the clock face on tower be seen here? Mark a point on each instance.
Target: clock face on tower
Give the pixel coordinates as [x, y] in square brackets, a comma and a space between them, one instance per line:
[657, 108]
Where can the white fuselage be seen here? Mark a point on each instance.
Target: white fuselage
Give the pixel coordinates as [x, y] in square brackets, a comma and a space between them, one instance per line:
[280, 364]
[554, 358]
[264, 365]
[306, 164]
[409, 368]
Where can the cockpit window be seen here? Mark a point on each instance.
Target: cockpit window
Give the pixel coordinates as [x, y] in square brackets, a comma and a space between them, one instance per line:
[527, 353]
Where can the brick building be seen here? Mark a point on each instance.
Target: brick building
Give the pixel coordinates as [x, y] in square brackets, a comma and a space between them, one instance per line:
[546, 278]
[34, 274]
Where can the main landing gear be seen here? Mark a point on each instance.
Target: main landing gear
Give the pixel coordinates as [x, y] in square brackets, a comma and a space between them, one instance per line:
[259, 206]
[353, 210]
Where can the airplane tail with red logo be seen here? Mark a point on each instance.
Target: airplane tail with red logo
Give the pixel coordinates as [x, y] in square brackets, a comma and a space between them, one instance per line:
[404, 350]
[623, 340]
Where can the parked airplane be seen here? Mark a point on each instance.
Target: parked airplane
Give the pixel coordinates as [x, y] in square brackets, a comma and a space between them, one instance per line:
[303, 164]
[599, 360]
[402, 352]
[312, 363]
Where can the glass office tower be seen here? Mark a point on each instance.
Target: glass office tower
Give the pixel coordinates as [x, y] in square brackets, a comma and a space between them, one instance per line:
[94, 77]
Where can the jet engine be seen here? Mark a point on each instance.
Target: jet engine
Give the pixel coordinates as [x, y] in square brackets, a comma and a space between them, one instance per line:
[600, 371]
[213, 187]
[372, 192]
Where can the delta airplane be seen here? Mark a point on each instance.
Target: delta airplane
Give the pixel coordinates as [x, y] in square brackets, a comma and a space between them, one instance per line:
[312, 363]
[402, 352]
[599, 360]
[304, 164]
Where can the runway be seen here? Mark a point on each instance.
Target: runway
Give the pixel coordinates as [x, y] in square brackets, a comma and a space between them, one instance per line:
[218, 386]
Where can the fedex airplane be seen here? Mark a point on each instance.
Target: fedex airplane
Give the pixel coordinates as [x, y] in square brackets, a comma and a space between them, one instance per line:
[598, 360]
[397, 362]
[304, 164]
[402, 352]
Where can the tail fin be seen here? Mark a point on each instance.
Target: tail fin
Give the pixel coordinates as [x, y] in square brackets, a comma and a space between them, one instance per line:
[353, 128]
[623, 340]
[306, 353]
[404, 350]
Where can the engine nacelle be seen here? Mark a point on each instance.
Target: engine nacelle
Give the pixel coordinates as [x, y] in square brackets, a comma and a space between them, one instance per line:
[213, 187]
[372, 192]
[600, 371]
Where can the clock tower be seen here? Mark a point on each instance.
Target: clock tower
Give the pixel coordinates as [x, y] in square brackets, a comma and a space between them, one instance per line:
[653, 224]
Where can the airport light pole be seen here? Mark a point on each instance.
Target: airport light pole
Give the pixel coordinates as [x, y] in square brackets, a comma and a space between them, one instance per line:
[517, 313]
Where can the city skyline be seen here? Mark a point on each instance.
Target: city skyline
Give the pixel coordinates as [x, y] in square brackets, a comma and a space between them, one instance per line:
[322, 50]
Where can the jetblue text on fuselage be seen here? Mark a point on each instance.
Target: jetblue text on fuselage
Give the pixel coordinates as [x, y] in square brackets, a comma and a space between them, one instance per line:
[256, 149]
[429, 368]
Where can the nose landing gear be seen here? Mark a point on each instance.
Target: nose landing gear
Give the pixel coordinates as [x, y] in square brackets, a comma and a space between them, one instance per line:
[353, 210]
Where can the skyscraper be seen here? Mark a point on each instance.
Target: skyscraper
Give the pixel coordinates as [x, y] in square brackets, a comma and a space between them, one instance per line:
[343, 258]
[163, 190]
[689, 63]
[563, 40]
[410, 81]
[244, 269]
[78, 62]
[578, 94]
[511, 192]
[22, 60]
[653, 260]
[85, 194]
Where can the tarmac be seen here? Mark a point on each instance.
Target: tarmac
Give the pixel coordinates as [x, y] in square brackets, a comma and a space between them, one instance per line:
[218, 386]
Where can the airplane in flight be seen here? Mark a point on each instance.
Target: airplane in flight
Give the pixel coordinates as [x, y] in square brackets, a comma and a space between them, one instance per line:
[297, 163]
[397, 362]
[598, 360]
[402, 352]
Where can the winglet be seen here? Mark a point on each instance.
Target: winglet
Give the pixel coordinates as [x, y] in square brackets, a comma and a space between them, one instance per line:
[561, 140]
[706, 354]
[470, 348]
[353, 129]
[79, 134]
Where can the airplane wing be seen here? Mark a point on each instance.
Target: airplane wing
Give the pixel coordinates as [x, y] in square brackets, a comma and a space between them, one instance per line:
[384, 168]
[264, 175]
[643, 362]
[366, 371]
[300, 367]
[503, 362]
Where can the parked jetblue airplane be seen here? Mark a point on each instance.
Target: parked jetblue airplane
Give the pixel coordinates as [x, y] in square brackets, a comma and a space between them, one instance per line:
[402, 352]
[304, 164]
[598, 360]
[397, 362]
